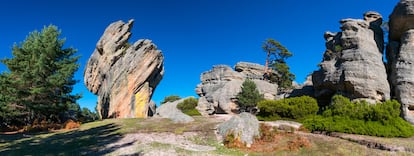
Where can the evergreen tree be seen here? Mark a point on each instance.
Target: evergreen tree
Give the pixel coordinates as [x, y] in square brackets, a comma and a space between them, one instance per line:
[11, 113]
[249, 96]
[276, 60]
[41, 75]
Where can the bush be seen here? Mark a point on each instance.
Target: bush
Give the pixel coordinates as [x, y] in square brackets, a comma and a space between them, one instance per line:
[188, 106]
[170, 98]
[292, 108]
[381, 119]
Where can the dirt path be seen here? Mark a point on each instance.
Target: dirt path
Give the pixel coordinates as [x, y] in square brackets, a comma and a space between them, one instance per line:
[136, 140]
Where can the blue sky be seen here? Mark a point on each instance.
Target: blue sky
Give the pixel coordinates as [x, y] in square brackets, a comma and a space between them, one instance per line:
[193, 35]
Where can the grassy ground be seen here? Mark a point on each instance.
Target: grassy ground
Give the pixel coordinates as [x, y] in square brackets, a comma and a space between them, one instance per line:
[92, 138]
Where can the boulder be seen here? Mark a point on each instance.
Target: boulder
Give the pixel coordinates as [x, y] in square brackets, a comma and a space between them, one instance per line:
[123, 75]
[400, 56]
[244, 126]
[169, 110]
[220, 86]
[353, 62]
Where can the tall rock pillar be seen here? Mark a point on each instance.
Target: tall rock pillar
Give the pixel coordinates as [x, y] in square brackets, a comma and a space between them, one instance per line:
[353, 62]
[400, 56]
[123, 75]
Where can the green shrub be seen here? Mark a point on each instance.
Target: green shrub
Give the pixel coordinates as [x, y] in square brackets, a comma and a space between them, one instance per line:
[292, 108]
[170, 98]
[188, 106]
[381, 119]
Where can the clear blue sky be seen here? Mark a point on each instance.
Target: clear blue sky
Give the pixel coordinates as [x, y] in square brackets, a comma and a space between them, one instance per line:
[194, 35]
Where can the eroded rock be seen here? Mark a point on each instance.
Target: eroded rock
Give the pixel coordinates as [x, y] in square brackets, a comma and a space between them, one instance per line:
[352, 64]
[123, 75]
[169, 110]
[400, 56]
[220, 86]
[244, 126]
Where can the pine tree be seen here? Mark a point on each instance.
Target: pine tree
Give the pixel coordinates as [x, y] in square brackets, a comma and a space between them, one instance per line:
[41, 73]
[10, 112]
[249, 96]
[276, 55]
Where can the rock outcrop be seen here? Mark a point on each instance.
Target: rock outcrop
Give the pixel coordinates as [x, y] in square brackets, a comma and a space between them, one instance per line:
[244, 126]
[400, 56]
[220, 86]
[303, 89]
[169, 110]
[123, 75]
[353, 62]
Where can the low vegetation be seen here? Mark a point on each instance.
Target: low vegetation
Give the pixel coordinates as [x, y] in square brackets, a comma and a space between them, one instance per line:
[296, 108]
[381, 119]
[170, 98]
[188, 106]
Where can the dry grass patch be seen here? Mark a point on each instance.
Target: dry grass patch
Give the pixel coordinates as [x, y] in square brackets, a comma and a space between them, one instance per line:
[271, 140]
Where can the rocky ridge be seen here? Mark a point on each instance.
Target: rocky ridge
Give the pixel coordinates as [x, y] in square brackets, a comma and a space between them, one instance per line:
[123, 75]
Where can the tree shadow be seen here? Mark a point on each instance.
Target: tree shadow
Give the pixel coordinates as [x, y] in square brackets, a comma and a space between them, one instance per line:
[77, 142]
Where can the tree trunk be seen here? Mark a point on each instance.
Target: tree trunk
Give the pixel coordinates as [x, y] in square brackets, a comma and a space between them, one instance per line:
[266, 70]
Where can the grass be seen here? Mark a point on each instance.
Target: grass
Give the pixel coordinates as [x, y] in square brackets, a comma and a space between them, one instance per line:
[91, 138]
[83, 141]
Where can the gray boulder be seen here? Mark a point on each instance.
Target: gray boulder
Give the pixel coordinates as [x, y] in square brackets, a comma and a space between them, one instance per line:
[352, 64]
[400, 56]
[123, 75]
[220, 86]
[244, 126]
[169, 110]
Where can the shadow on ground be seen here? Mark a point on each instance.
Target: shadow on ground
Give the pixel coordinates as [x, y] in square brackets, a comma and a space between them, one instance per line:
[78, 142]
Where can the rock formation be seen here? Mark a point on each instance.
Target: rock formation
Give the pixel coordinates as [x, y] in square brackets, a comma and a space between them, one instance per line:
[220, 86]
[353, 62]
[169, 110]
[123, 75]
[303, 89]
[400, 56]
[244, 126]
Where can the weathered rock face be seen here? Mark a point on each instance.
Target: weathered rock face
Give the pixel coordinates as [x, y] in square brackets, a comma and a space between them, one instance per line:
[400, 56]
[304, 89]
[244, 126]
[169, 110]
[123, 76]
[220, 86]
[352, 63]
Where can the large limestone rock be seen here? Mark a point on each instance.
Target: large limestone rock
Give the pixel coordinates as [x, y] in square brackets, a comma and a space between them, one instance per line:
[220, 86]
[244, 126]
[123, 75]
[400, 56]
[352, 64]
[169, 110]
